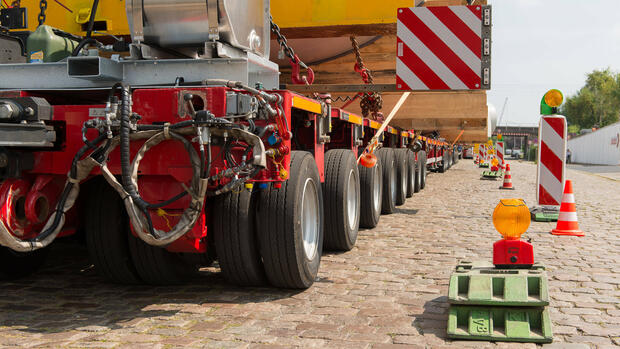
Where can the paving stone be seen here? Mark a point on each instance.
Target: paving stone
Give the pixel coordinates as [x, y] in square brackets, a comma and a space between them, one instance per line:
[388, 292]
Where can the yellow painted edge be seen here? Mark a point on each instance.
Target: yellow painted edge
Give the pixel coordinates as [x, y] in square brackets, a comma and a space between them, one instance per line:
[393, 131]
[307, 105]
[405, 134]
[356, 119]
[375, 125]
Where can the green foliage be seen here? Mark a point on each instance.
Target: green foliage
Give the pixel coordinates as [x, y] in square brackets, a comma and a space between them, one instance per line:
[533, 153]
[597, 103]
[573, 129]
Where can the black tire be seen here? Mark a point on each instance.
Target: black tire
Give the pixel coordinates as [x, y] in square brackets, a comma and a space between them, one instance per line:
[402, 175]
[411, 168]
[444, 164]
[157, 266]
[390, 180]
[107, 229]
[14, 265]
[236, 242]
[418, 174]
[371, 194]
[280, 231]
[422, 163]
[342, 185]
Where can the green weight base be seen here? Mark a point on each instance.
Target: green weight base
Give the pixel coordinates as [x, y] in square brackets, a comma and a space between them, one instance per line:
[542, 214]
[480, 283]
[502, 324]
[491, 175]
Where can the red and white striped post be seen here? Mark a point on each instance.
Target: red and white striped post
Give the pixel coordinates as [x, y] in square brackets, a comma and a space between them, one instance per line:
[499, 154]
[552, 135]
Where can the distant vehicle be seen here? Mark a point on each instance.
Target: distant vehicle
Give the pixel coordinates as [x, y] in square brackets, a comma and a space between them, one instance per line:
[468, 153]
[508, 151]
[516, 153]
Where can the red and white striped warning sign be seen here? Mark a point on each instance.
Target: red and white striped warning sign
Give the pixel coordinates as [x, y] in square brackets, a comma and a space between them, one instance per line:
[443, 48]
[482, 153]
[500, 153]
[552, 158]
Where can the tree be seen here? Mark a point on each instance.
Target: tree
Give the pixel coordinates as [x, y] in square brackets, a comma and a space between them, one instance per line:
[597, 103]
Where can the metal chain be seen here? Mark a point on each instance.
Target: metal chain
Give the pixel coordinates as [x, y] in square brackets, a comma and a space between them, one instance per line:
[43, 7]
[288, 51]
[371, 102]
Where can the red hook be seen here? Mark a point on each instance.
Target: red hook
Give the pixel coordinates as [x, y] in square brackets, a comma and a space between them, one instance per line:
[295, 71]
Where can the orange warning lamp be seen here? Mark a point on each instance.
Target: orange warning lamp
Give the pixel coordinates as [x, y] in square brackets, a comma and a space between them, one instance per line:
[499, 137]
[553, 98]
[511, 218]
[368, 160]
[494, 164]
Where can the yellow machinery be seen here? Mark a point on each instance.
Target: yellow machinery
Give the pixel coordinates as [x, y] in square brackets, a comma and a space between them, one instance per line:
[72, 15]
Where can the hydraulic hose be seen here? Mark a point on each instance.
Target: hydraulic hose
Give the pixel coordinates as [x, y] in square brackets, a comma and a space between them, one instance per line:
[91, 20]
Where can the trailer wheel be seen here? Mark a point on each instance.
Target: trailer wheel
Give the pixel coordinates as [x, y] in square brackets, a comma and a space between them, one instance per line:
[107, 228]
[418, 173]
[290, 225]
[236, 243]
[411, 173]
[157, 266]
[390, 180]
[402, 173]
[15, 265]
[442, 168]
[341, 195]
[422, 163]
[371, 194]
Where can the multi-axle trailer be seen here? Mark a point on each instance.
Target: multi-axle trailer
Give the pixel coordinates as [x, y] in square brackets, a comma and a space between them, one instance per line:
[167, 164]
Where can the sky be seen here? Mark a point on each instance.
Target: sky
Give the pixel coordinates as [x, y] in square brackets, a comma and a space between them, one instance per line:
[542, 44]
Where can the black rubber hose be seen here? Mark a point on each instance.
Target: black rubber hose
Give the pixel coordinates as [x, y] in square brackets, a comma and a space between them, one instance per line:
[65, 193]
[91, 21]
[81, 45]
[125, 151]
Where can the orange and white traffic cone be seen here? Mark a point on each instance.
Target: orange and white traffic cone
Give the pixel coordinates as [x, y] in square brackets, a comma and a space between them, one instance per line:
[507, 179]
[567, 220]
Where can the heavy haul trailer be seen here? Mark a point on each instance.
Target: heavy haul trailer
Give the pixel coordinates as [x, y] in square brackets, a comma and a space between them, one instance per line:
[167, 164]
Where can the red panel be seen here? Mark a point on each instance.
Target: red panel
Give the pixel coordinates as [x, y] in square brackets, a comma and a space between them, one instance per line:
[551, 161]
[421, 70]
[557, 124]
[513, 253]
[458, 28]
[440, 49]
[544, 198]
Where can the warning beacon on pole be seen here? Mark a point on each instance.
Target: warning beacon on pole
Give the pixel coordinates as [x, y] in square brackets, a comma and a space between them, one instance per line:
[552, 136]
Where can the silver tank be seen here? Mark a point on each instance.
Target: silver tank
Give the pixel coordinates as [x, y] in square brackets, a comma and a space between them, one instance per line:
[181, 23]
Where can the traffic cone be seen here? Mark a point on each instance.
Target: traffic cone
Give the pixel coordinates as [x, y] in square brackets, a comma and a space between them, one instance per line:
[567, 220]
[507, 179]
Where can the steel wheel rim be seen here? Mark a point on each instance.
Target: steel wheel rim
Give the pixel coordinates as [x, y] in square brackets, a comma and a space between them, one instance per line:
[310, 218]
[393, 184]
[352, 198]
[376, 188]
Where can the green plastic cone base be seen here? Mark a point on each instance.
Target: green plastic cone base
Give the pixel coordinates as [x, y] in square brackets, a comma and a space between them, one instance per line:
[544, 214]
[481, 283]
[503, 324]
[492, 175]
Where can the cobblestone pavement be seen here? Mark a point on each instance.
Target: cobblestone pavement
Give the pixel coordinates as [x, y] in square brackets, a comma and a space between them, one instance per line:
[389, 292]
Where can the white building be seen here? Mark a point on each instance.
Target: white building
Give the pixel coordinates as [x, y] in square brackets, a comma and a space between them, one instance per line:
[601, 147]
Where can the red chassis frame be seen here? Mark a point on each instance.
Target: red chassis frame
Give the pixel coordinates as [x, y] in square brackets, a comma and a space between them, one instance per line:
[163, 169]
